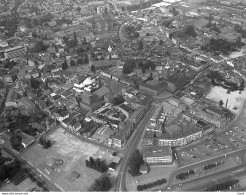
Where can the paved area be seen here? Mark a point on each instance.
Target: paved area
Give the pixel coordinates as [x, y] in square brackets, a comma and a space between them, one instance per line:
[64, 163]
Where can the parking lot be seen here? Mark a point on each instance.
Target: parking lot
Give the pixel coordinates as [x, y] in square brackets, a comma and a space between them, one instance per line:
[25, 186]
[206, 149]
[236, 136]
[64, 162]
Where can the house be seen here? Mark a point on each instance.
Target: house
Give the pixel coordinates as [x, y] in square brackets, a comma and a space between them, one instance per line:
[114, 164]
[144, 168]
[26, 105]
[27, 140]
[12, 98]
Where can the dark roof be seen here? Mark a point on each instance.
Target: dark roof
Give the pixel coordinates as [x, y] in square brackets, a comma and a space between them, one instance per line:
[125, 107]
[216, 110]
[153, 84]
[113, 165]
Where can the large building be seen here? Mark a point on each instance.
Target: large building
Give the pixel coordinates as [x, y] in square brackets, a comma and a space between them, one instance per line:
[13, 53]
[93, 100]
[157, 155]
[153, 87]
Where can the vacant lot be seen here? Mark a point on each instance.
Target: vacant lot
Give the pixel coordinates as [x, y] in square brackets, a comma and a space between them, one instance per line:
[235, 100]
[64, 162]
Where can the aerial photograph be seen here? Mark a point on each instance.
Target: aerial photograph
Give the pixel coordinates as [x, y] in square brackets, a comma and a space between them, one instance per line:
[122, 96]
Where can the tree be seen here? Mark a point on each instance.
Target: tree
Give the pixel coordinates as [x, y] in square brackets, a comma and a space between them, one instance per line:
[135, 162]
[102, 185]
[84, 42]
[241, 87]
[64, 65]
[65, 39]
[127, 69]
[78, 9]
[79, 61]
[75, 38]
[35, 84]
[15, 141]
[221, 102]
[39, 47]
[189, 31]
[35, 22]
[140, 45]
[72, 63]
[93, 69]
[72, 43]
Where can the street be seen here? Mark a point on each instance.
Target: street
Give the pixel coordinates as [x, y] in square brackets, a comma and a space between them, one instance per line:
[130, 148]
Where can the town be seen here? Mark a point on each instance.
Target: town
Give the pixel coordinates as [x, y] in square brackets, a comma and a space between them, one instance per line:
[111, 95]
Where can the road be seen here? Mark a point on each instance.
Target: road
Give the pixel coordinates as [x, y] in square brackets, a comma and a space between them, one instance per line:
[196, 184]
[50, 185]
[130, 148]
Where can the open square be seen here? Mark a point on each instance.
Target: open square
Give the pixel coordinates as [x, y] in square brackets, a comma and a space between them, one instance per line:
[64, 162]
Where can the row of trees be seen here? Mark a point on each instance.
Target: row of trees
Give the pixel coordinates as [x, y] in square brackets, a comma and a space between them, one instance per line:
[144, 65]
[188, 31]
[183, 176]
[222, 45]
[218, 80]
[14, 171]
[210, 166]
[135, 163]
[102, 185]
[44, 19]
[98, 165]
[9, 170]
[151, 185]
[39, 47]
[45, 143]
[222, 186]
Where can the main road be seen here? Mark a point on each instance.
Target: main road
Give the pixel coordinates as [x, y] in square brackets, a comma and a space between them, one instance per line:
[129, 149]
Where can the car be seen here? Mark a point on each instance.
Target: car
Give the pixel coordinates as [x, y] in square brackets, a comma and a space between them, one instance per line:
[7, 181]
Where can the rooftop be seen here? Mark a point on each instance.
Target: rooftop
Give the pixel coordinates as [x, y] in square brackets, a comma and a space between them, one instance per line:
[156, 151]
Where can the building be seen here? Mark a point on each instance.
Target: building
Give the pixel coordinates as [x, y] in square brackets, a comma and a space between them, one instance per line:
[120, 138]
[157, 155]
[176, 83]
[14, 52]
[12, 98]
[26, 105]
[27, 140]
[93, 100]
[100, 7]
[176, 136]
[153, 87]
[136, 98]
[115, 163]
[101, 24]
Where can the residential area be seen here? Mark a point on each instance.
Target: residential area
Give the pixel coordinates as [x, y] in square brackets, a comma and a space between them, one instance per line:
[131, 95]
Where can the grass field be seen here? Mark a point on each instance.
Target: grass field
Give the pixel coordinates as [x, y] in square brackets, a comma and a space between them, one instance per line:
[72, 174]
